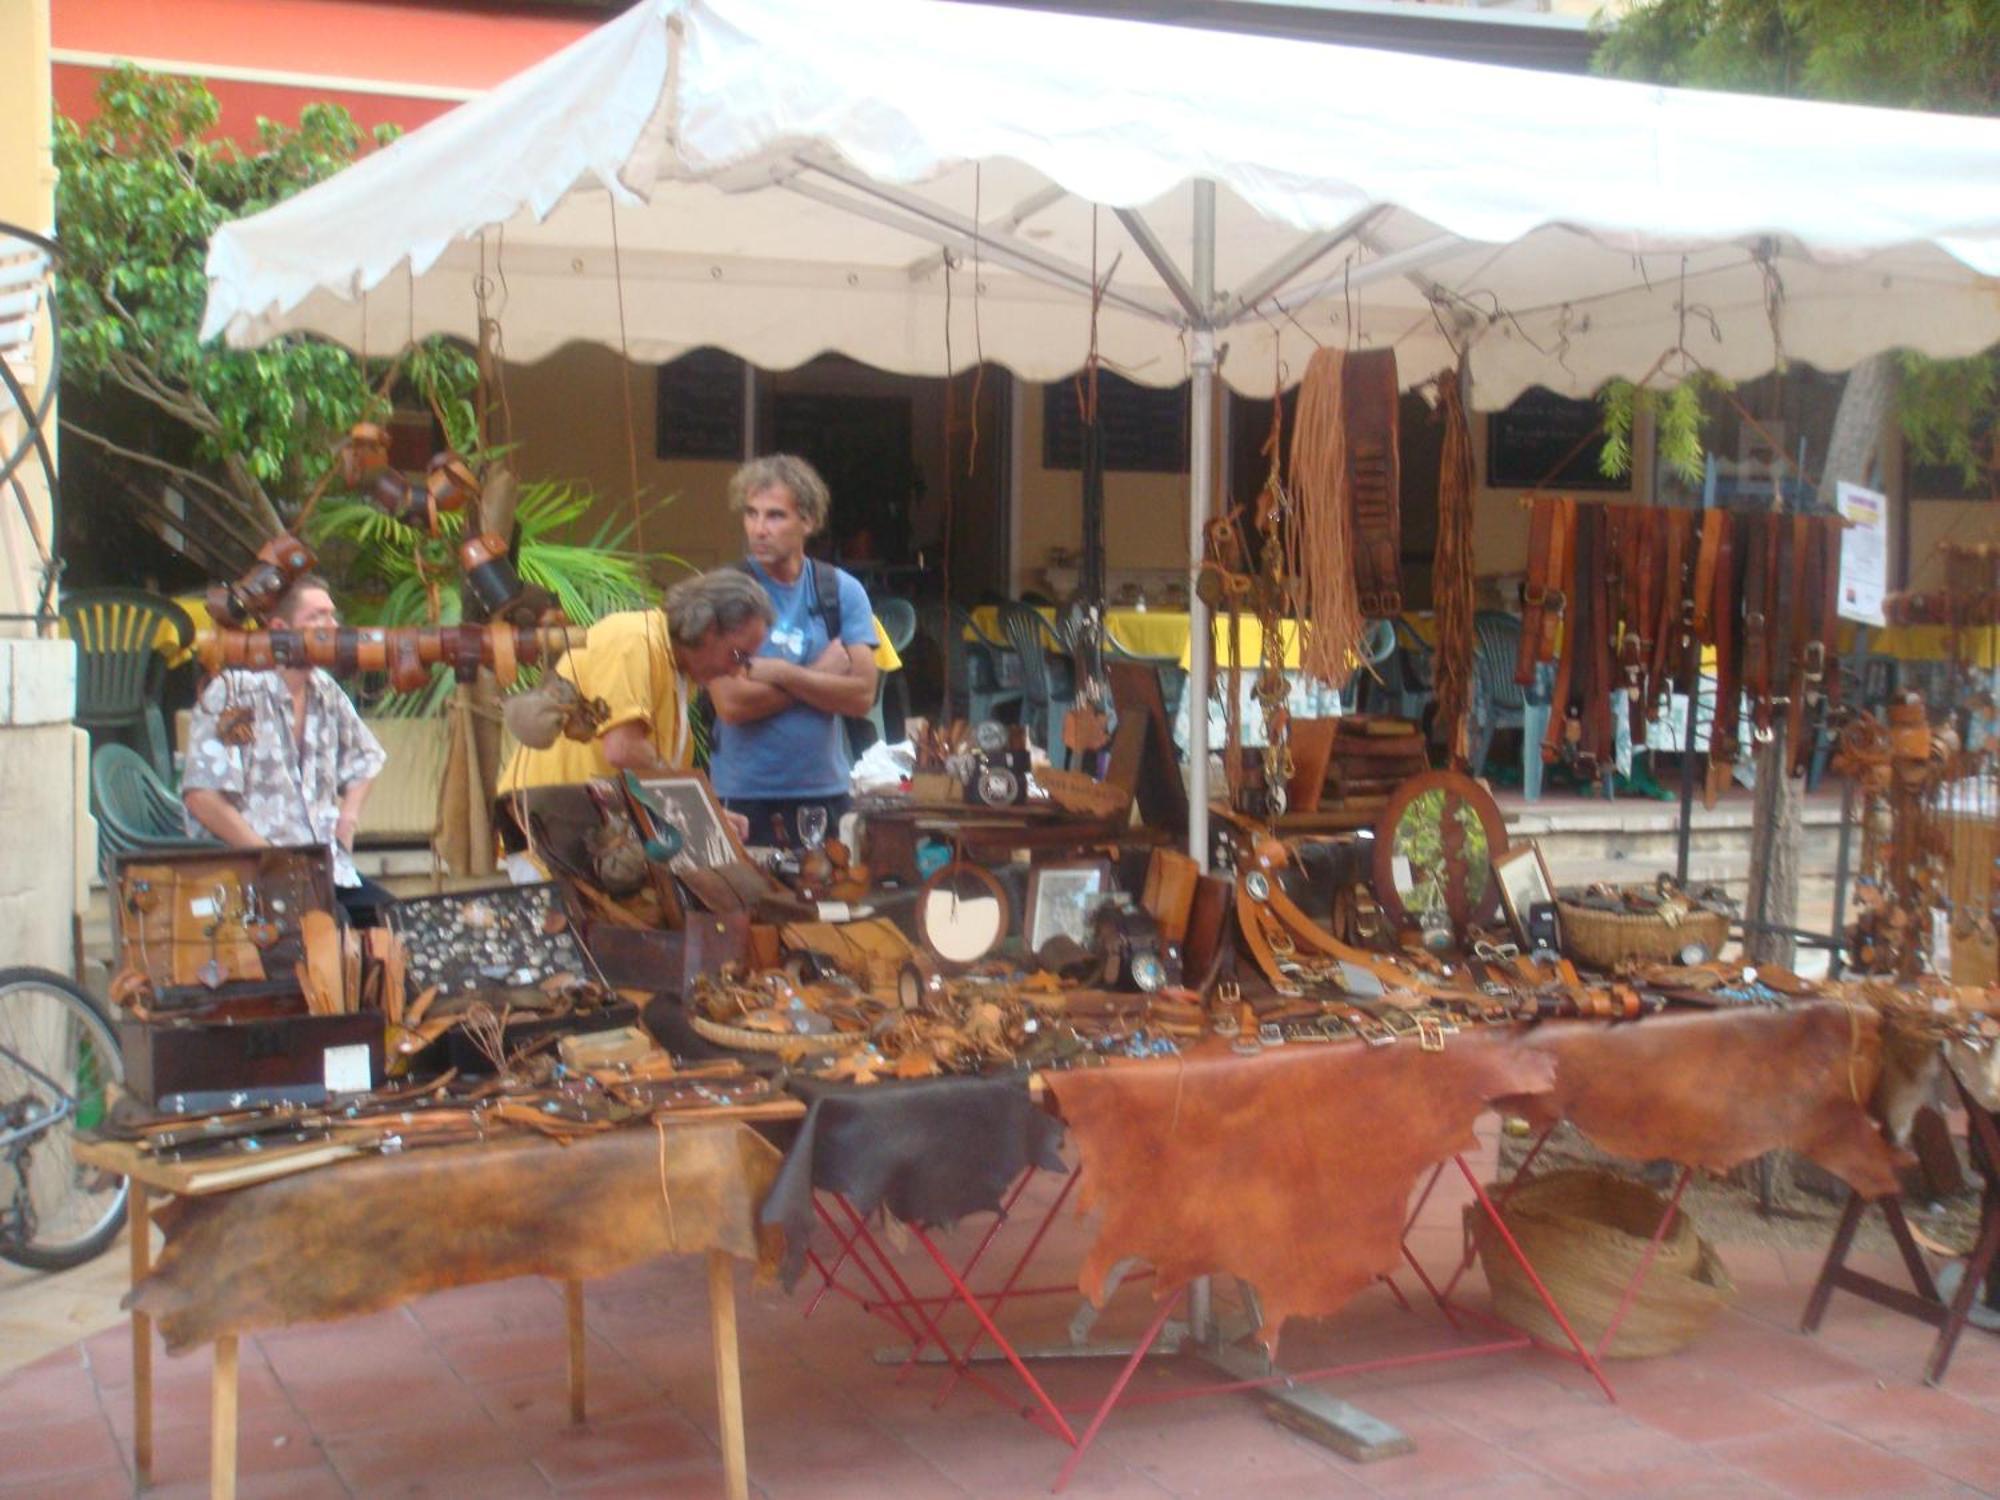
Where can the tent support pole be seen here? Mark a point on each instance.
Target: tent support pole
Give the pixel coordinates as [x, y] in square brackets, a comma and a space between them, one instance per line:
[1201, 484]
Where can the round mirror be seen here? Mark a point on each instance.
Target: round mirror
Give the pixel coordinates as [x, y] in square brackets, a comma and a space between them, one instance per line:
[1435, 849]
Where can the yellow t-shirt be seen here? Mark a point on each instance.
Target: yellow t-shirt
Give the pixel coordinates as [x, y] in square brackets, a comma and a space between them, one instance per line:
[627, 660]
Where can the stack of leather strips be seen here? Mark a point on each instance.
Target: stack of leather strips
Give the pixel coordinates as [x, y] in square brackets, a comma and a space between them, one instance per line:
[1627, 597]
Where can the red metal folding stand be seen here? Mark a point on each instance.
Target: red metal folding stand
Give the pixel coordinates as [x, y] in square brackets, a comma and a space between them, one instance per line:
[1924, 1304]
[1590, 1357]
[898, 1304]
[1514, 1340]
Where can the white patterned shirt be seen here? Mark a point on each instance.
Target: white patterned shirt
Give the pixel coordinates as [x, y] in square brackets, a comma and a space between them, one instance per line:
[288, 790]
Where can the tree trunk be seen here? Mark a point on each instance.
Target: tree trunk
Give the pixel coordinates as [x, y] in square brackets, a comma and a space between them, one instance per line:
[1865, 402]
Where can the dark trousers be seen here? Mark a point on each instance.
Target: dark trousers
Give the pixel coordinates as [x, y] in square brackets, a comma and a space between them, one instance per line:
[363, 903]
[774, 821]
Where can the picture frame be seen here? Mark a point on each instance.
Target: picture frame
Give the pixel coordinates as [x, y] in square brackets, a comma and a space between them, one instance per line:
[1523, 877]
[685, 800]
[1062, 897]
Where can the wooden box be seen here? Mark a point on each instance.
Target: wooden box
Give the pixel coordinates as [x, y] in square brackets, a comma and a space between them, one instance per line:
[186, 1066]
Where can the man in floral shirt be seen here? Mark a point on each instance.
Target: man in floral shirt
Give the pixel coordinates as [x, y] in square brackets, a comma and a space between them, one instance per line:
[281, 757]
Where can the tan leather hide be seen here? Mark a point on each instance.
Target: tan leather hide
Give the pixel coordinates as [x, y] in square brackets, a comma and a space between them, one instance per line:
[380, 1231]
[1714, 1089]
[1292, 1169]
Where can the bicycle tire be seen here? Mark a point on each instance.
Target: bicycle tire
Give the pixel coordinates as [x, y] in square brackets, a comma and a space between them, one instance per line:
[85, 1056]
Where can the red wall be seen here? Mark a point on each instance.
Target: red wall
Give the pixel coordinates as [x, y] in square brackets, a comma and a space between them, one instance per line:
[331, 42]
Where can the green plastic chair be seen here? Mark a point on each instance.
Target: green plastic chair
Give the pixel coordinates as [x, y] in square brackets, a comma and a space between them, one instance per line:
[120, 672]
[898, 618]
[137, 813]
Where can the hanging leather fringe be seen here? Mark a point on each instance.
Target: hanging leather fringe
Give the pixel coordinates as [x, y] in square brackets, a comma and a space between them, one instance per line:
[1452, 569]
[1319, 531]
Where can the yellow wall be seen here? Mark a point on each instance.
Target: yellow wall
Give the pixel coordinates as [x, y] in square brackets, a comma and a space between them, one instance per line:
[27, 197]
[569, 424]
[1145, 515]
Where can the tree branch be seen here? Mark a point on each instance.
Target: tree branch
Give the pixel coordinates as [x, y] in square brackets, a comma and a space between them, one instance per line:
[189, 475]
[214, 561]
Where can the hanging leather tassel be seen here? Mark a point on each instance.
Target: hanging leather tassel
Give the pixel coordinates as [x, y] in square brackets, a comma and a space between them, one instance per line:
[1452, 570]
[1319, 532]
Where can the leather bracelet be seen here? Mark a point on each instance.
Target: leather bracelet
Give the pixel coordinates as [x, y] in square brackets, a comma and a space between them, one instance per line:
[258, 655]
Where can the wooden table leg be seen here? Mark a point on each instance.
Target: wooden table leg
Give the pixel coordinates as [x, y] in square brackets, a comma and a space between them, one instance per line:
[222, 1422]
[573, 1301]
[138, 1229]
[728, 1373]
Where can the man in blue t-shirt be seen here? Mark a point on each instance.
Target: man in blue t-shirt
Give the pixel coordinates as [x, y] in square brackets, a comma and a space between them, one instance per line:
[779, 747]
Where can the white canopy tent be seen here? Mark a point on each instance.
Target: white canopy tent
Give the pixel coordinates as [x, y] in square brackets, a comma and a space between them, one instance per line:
[782, 178]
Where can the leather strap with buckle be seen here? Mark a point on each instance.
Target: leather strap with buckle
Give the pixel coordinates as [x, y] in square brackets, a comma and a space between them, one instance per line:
[1370, 397]
[1535, 591]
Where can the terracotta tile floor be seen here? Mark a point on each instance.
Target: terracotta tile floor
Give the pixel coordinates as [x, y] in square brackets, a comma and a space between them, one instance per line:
[463, 1394]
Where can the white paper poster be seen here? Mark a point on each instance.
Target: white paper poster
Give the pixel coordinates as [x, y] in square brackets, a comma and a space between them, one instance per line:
[1864, 554]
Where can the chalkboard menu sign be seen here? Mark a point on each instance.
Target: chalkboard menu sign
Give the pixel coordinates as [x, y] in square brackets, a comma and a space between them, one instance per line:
[1547, 441]
[1145, 429]
[699, 413]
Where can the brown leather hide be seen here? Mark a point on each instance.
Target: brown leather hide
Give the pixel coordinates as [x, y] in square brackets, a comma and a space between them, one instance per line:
[1292, 1169]
[380, 1231]
[1717, 1088]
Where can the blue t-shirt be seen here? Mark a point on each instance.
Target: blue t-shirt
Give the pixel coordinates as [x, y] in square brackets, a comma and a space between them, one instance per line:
[798, 751]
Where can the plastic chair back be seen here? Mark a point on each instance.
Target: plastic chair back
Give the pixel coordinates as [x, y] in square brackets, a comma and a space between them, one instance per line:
[136, 811]
[1032, 637]
[899, 619]
[116, 632]
[1496, 644]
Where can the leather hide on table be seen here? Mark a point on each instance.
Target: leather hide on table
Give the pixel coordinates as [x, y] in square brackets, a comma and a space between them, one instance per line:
[380, 1231]
[933, 1151]
[1715, 1089]
[1291, 1169]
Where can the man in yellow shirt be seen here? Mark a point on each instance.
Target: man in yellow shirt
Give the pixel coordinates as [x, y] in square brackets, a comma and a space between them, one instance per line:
[709, 627]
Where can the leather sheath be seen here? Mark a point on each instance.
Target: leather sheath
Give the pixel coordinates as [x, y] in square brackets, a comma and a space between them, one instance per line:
[1715, 1089]
[379, 1231]
[1291, 1169]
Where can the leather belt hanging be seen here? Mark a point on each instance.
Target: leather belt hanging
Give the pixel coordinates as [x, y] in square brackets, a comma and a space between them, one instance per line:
[1723, 748]
[1807, 662]
[1370, 396]
[1557, 622]
[1780, 595]
[1597, 732]
[1535, 592]
[1670, 628]
[1756, 622]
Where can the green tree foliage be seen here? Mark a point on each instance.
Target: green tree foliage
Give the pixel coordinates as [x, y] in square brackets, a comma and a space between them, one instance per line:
[241, 435]
[1918, 54]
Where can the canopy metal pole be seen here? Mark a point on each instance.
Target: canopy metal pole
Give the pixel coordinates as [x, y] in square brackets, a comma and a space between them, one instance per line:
[1201, 485]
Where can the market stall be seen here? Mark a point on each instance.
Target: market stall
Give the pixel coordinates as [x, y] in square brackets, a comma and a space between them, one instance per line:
[1002, 937]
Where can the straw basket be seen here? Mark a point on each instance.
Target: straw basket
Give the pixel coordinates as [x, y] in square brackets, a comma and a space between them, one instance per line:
[1605, 939]
[743, 1039]
[1585, 1233]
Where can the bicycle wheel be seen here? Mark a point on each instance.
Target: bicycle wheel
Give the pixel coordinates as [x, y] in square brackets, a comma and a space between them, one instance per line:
[58, 1054]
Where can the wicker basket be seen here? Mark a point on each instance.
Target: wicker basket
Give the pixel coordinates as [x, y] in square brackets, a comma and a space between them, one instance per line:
[1585, 1233]
[743, 1039]
[1605, 939]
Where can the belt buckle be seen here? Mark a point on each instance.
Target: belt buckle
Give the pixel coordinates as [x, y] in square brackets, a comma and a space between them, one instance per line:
[1534, 596]
[1554, 599]
[1270, 1034]
[1430, 1034]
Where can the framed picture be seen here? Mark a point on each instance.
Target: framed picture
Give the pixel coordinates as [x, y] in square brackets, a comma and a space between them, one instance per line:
[686, 801]
[1061, 899]
[1523, 876]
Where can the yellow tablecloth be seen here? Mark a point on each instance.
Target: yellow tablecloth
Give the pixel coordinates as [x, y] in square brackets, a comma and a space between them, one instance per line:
[1977, 645]
[1249, 644]
[1161, 633]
